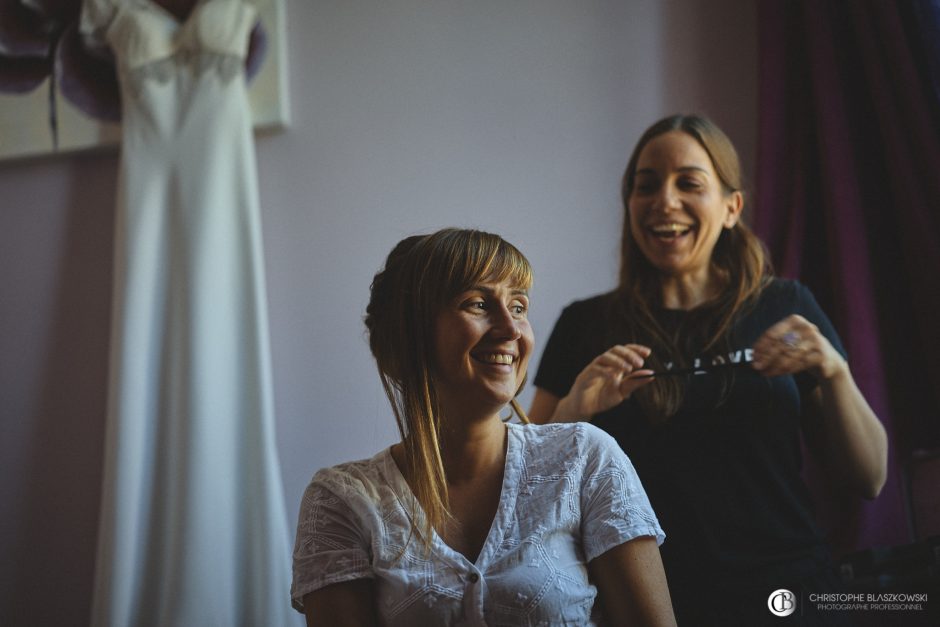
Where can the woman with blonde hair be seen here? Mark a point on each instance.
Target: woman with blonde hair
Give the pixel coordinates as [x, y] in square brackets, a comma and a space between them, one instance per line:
[472, 520]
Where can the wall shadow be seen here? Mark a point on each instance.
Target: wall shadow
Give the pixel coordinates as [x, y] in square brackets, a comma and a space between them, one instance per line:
[56, 515]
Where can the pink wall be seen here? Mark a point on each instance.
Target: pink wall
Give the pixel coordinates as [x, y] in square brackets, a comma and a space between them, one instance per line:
[55, 251]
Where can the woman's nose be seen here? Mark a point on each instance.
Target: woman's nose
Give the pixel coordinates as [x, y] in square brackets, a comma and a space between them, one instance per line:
[505, 324]
[667, 198]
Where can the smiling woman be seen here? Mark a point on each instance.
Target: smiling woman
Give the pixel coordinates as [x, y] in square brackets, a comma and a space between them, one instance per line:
[707, 371]
[470, 519]
[483, 341]
[677, 210]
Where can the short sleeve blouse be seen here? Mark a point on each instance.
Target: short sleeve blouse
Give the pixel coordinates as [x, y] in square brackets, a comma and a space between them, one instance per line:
[569, 494]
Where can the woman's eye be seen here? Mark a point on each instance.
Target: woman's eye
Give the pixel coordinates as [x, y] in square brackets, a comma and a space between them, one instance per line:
[691, 184]
[518, 309]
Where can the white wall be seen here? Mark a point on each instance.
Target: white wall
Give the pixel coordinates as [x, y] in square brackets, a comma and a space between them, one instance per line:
[515, 116]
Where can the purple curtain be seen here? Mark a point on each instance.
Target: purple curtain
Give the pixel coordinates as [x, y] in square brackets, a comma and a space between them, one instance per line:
[848, 201]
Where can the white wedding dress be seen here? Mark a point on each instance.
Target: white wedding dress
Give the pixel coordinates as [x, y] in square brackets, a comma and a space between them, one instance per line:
[193, 530]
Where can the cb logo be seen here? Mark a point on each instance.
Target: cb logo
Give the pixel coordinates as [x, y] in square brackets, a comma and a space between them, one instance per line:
[781, 602]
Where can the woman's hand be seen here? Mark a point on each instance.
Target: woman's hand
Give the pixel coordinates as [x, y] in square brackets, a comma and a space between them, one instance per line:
[838, 423]
[605, 382]
[793, 345]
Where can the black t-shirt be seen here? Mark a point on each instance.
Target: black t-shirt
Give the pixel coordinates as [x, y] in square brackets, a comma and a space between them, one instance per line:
[723, 474]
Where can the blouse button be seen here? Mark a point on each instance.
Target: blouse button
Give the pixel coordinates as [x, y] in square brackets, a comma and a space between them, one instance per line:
[474, 578]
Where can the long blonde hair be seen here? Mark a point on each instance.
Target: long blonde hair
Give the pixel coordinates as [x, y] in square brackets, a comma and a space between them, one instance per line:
[739, 260]
[421, 275]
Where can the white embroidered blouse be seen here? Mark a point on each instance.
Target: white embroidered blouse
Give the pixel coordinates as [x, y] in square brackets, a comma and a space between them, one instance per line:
[569, 494]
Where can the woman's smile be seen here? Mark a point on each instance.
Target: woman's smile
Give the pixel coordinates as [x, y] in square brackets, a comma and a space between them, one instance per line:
[483, 343]
[678, 207]
[506, 359]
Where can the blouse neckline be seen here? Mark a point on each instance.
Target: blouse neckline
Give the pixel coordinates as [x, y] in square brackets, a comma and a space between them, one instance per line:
[504, 513]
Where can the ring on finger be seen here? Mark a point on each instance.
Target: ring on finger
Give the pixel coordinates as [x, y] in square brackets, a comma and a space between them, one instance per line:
[791, 339]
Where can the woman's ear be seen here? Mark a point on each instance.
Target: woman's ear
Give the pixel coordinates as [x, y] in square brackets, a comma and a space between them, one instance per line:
[735, 204]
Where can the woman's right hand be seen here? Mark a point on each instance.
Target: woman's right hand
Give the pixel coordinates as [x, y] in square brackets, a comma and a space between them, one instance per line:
[606, 382]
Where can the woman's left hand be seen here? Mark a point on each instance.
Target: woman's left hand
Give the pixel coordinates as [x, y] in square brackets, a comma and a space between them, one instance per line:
[838, 422]
[793, 345]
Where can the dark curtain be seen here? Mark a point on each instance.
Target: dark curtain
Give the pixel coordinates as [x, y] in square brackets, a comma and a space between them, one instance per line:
[848, 201]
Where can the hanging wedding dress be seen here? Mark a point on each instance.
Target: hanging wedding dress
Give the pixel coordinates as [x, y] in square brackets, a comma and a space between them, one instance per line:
[193, 529]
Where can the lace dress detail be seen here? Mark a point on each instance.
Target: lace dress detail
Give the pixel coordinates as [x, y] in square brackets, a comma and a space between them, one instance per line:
[226, 66]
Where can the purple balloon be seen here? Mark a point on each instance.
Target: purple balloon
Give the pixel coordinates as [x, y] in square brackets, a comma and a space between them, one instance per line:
[21, 75]
[23, 32]
[89, 82]
[257, 51]
[59, 11]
